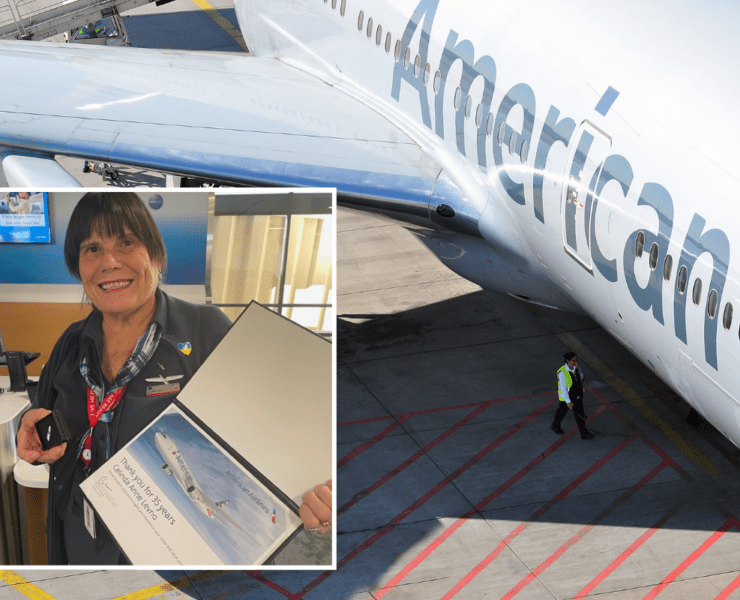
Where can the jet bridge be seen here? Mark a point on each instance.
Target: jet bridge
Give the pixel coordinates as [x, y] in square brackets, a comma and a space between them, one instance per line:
[43, 19]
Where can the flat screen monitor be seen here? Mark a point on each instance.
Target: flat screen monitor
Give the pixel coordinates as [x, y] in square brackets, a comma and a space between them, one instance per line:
[24, 218]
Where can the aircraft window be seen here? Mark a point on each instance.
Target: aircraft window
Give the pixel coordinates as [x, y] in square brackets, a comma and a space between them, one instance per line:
[334, 4]
[489, 124]
[500, 133]
[369, 28]
[639, 244]
[379, 35]
[468, 107]
[388, 43]
[727, 316]
[437, 81]
[458, 98]
[681, 278]
[653, 256]
[667, 266]
[512, 142]
[343, 7]
[479, 116]
[696, 293]
[407, 58]
[524, 151]
[360, 20]
[417, 65]
[427, 70]
[397, 51]
[712, 304]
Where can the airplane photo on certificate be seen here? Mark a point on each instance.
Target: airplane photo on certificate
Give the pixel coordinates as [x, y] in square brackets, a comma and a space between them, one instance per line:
[188, 496]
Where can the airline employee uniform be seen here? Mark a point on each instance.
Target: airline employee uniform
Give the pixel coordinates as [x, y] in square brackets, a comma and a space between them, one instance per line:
[570, 389]
[187, 333]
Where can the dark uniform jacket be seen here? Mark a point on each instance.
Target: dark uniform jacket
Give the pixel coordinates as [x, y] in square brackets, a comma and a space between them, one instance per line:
[190, 332]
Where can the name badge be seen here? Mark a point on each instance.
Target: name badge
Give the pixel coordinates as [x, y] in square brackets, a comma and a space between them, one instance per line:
[162, 389]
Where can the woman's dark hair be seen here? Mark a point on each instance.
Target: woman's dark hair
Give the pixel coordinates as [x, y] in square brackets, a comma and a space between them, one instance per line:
[568, 355]
[108, 214]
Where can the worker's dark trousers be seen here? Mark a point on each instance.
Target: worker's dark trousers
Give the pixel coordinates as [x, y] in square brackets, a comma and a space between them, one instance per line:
[577, 412]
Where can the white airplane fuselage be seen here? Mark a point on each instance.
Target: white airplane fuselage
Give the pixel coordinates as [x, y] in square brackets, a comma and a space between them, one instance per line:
[175, 465]
[586, 152]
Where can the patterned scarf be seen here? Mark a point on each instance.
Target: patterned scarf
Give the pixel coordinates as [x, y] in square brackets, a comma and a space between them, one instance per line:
[141, 355]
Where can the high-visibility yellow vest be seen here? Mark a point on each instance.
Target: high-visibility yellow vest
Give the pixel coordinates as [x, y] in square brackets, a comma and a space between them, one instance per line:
[568, 382]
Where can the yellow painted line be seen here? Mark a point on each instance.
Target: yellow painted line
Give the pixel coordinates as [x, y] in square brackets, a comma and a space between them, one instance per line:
[169, 586]
[222, 22]
[24, 586]
[624, 390]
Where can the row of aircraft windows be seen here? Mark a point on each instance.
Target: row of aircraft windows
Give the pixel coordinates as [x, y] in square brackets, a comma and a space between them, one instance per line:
[342, 7]
[682, 278]
[369, 28]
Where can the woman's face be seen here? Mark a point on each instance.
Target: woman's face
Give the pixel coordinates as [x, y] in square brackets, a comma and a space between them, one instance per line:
[117, 274]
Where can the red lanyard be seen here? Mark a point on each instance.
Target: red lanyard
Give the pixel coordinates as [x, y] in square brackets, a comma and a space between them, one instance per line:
[94, 412]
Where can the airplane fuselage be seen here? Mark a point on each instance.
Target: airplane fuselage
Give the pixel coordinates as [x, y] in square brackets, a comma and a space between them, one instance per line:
[175, 465]
[585, 153]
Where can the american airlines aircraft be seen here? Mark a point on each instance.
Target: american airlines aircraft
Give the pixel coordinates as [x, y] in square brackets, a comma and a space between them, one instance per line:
[575, 154]
[175, 465]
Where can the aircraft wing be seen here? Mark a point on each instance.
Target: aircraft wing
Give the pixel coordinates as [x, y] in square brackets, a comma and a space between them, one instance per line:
[220, 116]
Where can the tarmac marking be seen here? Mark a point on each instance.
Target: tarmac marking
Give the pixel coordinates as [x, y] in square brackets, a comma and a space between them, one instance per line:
[541, 511]
[536, 572]
[435, 490]
[274, 586]
[360, 449]
[427, 411]
[169, 586]
[490, 498]
[402, 418]
[391, 474]
[223, 23]
[724, 594]
[628, 552]
[729, 524]
[24, 586]
[666, 461]
[624, 390]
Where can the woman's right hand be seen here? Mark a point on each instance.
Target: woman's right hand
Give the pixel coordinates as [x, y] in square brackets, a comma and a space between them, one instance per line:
[28, 444]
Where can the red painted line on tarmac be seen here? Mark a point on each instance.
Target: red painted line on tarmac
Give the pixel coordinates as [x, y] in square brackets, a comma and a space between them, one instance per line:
[725, 593]
[431, 493]
[462, 520]
[427, 411]
[509, 538]
[409, 461]
[360, 449]
[578, 536]
[729, 524]
[650, 443]
[274, 586]
[627, 553]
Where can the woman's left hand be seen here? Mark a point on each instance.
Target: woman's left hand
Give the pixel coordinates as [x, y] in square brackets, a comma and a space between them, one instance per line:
[316, 508]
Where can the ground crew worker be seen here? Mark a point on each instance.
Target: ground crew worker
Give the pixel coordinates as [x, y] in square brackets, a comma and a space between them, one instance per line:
[570, 395]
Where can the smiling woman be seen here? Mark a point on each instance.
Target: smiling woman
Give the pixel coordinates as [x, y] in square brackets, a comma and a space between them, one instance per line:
[97, 373]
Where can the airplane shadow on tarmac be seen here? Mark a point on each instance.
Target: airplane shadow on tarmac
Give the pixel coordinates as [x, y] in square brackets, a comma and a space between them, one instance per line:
[444, 416]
